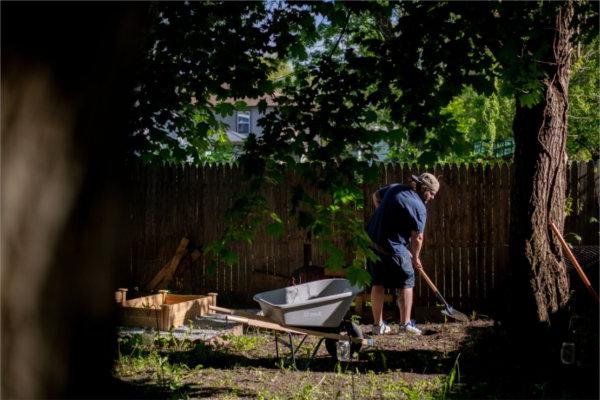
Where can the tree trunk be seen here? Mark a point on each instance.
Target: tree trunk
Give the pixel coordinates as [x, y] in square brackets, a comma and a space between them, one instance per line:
[66, 76]
[540, 285]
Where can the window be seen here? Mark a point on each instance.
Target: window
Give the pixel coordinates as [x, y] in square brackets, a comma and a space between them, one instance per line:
[243, 122]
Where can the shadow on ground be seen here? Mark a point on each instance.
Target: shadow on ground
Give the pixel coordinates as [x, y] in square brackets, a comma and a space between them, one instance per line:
[491, 368]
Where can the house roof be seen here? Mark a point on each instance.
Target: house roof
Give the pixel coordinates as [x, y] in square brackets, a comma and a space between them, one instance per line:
[235, 137]
[270, 99]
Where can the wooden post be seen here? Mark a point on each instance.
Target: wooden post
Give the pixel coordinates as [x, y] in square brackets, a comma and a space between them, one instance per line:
[121, 295]
[165, 314]
[213, 296]
[164, 293]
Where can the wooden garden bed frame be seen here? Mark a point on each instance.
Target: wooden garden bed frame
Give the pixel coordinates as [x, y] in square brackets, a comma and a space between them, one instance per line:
[163, 311]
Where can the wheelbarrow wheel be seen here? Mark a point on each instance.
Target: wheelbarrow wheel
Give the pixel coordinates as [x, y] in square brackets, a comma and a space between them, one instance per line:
[353, 330]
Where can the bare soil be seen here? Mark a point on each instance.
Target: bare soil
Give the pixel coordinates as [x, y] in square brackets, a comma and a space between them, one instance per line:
[247, 367]
[450, 360]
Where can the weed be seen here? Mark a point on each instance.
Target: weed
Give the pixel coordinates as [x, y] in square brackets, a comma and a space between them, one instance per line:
[338, 368]
[169, 376]
[453, 376]
[384, 364]
[243, 343]
[264, 394]
[306, 393]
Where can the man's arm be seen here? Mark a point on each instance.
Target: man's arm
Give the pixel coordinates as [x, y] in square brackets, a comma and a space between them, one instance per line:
[416, 242]
[376, 198]
[378, 194]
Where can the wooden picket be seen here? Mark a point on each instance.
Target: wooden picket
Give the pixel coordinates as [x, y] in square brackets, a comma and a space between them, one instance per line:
[466, 245]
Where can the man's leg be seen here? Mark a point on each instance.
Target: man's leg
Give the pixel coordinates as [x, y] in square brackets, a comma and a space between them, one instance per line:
[405, 300]
[377, 297]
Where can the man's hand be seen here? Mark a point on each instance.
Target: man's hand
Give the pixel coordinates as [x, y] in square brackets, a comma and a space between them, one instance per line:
[416, 263]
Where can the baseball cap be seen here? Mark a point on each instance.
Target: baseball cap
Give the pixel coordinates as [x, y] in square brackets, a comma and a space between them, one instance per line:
[428, 180]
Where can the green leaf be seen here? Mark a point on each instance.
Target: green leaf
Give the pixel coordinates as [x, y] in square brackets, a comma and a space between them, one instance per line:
[224, 109]
[275, 229]
[358, 276]
[370, 116]
[240, 105]
[229, 257]
[335, 259]
[262, 106]
[297, 50]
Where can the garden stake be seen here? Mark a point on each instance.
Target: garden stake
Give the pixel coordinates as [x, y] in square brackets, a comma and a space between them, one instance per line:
[582, 275]
[448, 310]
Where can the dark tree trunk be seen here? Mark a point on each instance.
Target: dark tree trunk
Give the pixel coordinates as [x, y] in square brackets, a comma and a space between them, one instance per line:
[64, 111]
[540, 284]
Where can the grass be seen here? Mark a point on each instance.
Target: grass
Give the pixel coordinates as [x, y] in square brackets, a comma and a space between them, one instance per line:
[167, 367]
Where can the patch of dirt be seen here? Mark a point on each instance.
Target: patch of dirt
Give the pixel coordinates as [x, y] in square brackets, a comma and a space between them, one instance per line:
[398, 365]
[473, 360]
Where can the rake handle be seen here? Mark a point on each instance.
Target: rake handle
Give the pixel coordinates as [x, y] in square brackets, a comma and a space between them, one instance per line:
[580, 272]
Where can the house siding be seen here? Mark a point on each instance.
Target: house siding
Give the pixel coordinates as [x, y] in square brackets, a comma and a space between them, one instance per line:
[255, 116]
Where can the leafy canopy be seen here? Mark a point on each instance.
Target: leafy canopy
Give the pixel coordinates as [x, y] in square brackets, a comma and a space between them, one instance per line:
[364, 73]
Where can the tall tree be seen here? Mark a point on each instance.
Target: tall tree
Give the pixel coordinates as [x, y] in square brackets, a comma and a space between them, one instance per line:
[539, 185]
[66, 89]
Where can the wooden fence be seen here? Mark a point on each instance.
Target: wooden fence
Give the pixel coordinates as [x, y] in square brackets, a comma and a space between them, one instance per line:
[465, 253]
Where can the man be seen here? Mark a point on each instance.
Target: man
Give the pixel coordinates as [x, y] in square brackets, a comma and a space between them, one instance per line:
[396, 231]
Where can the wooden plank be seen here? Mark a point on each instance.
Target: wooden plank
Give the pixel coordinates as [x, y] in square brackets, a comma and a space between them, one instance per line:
[452, 230]
[180, 298]
[434, 237]
[164, 276]
[463, 211]
[498, 222]
[261, 322]
[210, 214]
[142, 317]
[155, 300]
[444, 285]
[180, 313]
[158, 277]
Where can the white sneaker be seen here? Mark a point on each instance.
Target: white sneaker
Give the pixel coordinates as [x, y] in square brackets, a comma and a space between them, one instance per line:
[411, 328]
[381, 329]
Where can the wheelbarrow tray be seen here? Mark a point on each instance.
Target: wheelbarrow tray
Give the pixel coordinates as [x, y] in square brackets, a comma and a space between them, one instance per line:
[322, 303]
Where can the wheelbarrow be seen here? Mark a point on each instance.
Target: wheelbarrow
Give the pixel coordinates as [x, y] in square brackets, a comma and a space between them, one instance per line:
[315, 308]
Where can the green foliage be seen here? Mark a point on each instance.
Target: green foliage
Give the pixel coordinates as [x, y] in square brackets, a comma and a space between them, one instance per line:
[583, 140]
[419, 77]
[480, 119]
[199, 54]
[451, 379]
[243, 343]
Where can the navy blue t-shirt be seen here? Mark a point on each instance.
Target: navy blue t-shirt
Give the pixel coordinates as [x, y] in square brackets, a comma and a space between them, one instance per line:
[401, 211]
